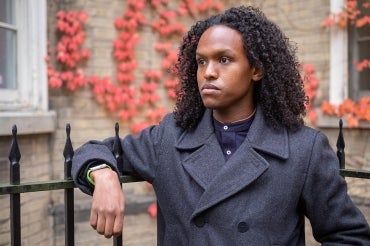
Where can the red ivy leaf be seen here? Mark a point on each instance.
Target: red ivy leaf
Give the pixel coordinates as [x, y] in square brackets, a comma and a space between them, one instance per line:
[152, 210]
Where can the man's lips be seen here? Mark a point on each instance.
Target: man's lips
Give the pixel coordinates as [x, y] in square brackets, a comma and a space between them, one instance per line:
[209, 87]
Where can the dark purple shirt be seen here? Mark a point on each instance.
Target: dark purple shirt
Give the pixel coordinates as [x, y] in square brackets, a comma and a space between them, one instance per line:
[231, 135]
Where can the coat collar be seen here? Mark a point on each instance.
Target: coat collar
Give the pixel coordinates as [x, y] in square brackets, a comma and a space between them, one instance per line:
[267, 139]
[220, 179]
[261, 136]
[198, 136]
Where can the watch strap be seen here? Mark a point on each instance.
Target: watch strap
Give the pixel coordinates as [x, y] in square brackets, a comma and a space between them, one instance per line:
[94, 168]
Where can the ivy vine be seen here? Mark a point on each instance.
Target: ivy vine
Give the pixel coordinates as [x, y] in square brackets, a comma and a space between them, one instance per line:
[123, 95]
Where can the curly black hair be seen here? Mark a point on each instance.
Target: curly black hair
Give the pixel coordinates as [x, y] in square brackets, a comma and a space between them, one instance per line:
[280, 92]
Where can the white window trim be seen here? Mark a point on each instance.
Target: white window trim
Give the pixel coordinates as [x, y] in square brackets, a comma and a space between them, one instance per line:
[338, 78]
[32, 90]
[30, 111]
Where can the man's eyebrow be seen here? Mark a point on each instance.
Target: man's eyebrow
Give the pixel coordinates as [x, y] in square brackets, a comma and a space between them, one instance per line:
[218, 52]
[198, 54]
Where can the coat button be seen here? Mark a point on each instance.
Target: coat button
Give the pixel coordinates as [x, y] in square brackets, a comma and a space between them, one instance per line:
[243, 227]
[199, 222]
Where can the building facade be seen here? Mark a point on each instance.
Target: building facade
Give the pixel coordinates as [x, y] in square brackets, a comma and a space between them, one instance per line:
[41, 112]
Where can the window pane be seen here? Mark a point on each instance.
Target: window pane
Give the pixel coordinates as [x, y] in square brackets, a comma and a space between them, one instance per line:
[359, 51]
[365, 80]
[7, 59]
[364, 50]
[364, 32]
[364, 75]
[6, 11]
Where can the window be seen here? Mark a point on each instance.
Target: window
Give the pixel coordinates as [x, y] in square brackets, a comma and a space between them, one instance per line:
[7, 45]
[358, 50]
[23, 78]
[23, 82]
[346, 48]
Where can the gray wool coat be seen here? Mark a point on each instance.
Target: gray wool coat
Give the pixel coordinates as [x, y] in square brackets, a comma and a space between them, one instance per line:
[258, 197]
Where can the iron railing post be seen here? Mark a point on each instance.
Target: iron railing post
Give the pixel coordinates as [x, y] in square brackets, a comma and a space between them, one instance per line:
[340, 146]
[15, 206]
[68, 192]
[117, 150]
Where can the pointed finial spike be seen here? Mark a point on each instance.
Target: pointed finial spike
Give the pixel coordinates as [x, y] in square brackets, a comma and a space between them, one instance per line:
[116, 128]
[14, 130]
[68, 130]
[341, 145]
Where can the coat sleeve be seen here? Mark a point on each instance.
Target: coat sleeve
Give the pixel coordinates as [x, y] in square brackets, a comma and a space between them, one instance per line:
[139, 157]
[333, 216]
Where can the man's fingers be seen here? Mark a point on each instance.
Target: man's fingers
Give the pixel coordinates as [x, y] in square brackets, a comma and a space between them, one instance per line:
[93, 219]
[107, 223]
[100, 227]
[108, 231]
[118, 225]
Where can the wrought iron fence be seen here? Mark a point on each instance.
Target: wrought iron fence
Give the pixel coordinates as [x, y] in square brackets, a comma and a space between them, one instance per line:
[345, 172]
[15, 188]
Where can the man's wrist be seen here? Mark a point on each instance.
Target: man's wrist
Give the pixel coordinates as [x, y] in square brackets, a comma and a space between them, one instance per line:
[95, 168]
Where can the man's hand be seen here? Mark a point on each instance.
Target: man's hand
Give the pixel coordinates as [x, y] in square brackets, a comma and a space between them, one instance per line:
[108, 204]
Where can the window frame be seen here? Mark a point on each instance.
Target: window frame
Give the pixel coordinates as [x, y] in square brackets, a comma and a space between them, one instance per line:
[354, 41]
[344, 50]
[27, 106]
[339, 85]
[31, 93]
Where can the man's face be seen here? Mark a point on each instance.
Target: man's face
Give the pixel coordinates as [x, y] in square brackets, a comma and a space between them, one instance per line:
[224, 75]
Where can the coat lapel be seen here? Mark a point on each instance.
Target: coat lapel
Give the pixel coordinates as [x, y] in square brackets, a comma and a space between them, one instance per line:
[204, 164]
[237, 173]
[220, 179]
[206, 159]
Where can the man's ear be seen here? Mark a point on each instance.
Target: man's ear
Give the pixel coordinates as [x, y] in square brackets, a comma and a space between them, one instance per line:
[257, 73]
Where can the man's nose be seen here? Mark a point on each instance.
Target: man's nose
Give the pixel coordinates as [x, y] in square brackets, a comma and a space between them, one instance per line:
[210, 71]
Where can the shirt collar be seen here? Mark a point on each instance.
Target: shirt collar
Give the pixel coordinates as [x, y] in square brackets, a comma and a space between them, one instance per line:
[239, 126]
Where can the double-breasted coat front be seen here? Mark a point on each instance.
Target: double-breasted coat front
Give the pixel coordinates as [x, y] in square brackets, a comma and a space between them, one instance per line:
[258, 197]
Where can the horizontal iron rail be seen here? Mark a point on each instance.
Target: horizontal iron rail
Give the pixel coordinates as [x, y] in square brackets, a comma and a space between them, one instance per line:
[355, 173]
[49, 185]
[65, 184]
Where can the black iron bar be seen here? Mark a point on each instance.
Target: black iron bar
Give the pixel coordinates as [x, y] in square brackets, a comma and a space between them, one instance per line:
[117, 150]
[15, 206]
[36, 186]
[68, 152]
[355, 173]
[340, 147]
[6, 189]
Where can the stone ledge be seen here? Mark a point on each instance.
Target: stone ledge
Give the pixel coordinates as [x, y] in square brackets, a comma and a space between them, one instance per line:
[27, 122]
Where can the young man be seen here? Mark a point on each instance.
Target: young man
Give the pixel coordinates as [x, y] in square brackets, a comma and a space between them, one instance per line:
[233, 164]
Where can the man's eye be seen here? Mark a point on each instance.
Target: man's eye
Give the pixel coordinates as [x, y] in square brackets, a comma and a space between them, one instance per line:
[201, 62]
[224, 60]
